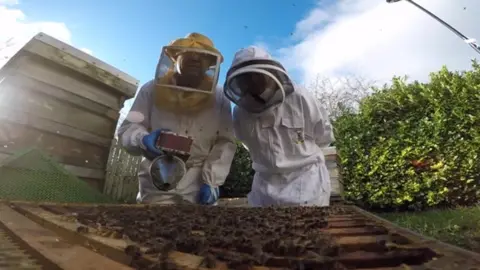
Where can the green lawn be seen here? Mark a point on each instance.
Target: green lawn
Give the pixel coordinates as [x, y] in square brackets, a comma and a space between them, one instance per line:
[459, 227]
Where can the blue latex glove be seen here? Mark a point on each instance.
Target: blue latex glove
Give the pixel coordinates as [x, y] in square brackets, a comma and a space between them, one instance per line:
[149, 141]
[208, 194]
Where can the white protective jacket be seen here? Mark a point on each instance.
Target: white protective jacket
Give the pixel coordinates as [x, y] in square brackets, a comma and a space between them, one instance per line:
[285, 146]
[212, 150]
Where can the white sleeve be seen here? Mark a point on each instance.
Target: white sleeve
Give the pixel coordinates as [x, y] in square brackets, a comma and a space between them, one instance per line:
[323, 129]
[137, 123]
[318, 115]
[217, 165]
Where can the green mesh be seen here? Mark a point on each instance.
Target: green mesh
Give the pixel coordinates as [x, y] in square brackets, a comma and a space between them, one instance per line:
[33, 176]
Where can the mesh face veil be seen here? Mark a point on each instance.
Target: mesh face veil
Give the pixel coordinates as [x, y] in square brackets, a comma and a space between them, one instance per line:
[188, 69]
[255, 82]
[187, 74]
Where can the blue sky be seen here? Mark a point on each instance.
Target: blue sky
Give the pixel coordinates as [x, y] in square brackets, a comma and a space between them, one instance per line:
[129, 34]
[331, 39]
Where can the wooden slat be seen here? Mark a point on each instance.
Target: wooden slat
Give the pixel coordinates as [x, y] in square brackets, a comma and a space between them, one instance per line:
[39, 105]
[121, 181]
[353, 231]
[15, 137]
[53, 247]
[109, 179]
[360, 240]
[82, 62]
[37, 68]
[130, 189]
[414, 237]
[329, 151]
[112, 248]
[16, 80]
[52, 127]
[346, 224]
[115, 165]
[117, 171]
[343, 218]
[365, 259]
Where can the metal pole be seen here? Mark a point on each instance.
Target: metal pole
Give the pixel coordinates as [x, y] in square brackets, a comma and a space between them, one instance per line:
[467, 40]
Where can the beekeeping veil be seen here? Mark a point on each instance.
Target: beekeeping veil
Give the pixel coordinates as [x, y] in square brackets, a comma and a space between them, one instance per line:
[187, 74]
[256, 82]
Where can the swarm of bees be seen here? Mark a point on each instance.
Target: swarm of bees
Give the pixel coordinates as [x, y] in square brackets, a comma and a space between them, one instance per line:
[241, 237]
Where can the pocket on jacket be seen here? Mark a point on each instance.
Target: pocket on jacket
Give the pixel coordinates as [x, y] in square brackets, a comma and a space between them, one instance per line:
[292, 130]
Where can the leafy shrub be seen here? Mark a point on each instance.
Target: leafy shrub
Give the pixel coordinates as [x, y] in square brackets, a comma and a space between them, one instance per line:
[239, 180]
[414, 145]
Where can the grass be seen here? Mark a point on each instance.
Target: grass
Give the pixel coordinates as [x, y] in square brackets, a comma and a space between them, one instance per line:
[459, 227]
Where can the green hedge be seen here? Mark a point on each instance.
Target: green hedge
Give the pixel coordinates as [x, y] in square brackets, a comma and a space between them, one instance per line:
[414, 145]
[239, 181]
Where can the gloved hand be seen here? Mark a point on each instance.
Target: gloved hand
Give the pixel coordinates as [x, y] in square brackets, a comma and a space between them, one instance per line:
[149, 141]
[208, 194]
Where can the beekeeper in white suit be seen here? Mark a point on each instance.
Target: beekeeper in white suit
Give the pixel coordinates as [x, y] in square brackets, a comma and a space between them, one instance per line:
[183, 98]
[284, 127]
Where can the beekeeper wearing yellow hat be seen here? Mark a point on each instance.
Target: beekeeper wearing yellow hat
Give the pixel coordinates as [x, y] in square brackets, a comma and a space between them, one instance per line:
[183, 98]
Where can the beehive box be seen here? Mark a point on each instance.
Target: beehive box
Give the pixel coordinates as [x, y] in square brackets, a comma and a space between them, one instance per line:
[80, 236]
[331, 161]
[64, 102]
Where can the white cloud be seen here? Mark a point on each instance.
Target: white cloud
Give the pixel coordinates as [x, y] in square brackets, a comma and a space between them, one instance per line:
[378, 40]
[8, 2]
[315, 18]
[15, 30]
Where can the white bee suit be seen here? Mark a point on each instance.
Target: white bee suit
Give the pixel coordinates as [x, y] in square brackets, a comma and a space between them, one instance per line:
[287, 170]
[211, 153]
[284, 141]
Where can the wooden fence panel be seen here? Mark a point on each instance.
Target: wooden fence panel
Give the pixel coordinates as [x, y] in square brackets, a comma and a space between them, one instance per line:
[121, 180]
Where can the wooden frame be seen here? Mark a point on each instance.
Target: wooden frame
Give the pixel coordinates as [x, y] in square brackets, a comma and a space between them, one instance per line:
[68, 56]
[358, 230]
